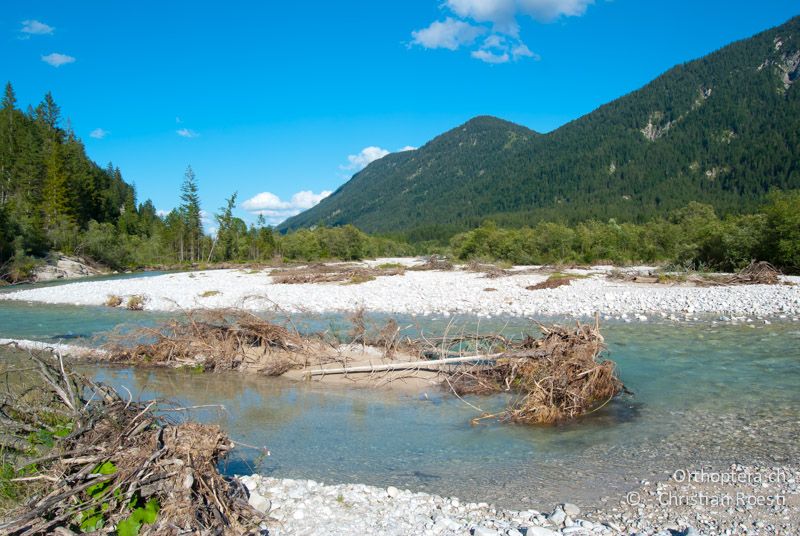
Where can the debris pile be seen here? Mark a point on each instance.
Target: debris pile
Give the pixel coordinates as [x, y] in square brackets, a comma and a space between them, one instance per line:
[216, 340]
[337, 273]
[557, 377]
[756, 273]
[97, 462]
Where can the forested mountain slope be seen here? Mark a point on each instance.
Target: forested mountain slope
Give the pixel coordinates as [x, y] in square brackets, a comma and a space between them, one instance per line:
[723, 130]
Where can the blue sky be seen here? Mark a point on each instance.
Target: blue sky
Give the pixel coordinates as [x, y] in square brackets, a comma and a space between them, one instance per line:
[281, 99]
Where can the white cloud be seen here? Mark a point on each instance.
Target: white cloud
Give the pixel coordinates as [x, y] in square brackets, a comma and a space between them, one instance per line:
[522, 51]
[490, 57]
[186, 133]
[501, 13]
[35, 27]
[98, 134]
[364, 158]
[57, 60]
[500, 18]
[450, 34]
[407, 148]
[499, 49]
[275, 210]
[549, 10]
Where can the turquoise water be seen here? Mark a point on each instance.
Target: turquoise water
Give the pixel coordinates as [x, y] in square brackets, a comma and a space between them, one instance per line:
[703, 394]
[59, 282]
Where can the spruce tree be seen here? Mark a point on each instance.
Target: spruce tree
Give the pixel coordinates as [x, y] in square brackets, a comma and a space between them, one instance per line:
[55, 204]
[190, 213]
[226, 235]
[7, 145]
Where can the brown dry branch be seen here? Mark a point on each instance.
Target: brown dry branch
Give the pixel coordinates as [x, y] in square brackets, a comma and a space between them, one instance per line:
[557, 377]
[551, 283]
[333, 273]
[106, 457]
[490, 271]
[216, 340]
[435, 262]
[756, 273]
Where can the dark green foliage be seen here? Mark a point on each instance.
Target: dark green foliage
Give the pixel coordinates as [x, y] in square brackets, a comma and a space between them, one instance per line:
[692, 237]
[723, 130]
[344, 243]
[782, 229]
[190, 213]
[49, 190]
[674, 172]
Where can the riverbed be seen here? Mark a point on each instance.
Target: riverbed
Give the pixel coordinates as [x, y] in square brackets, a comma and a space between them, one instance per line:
[703, 394]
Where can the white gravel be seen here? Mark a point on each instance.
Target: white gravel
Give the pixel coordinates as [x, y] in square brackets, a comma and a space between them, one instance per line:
[63, 349]
[741, 499]
[433, 292]
[297, 507]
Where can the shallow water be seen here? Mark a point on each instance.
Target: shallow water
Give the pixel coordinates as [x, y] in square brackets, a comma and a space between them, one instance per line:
[703, 394]
[107, 277]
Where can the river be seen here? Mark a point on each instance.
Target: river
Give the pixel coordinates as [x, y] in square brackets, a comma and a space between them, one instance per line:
[704, 394]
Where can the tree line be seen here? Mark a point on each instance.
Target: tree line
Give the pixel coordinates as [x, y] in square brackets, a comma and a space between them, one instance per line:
[694, 237]
[54, 198]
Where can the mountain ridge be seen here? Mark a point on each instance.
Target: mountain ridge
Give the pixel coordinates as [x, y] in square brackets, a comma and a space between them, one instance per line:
[721, 129]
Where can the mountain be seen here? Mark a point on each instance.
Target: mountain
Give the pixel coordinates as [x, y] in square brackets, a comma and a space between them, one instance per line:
[723, 130]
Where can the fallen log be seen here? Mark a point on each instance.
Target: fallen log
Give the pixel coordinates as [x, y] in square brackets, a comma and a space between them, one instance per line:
[408, 365]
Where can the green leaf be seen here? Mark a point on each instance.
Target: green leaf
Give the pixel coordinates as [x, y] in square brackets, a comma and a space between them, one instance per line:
[91, 520]
[141, 515]
[97, 490]
[128, 527]
[106, 468]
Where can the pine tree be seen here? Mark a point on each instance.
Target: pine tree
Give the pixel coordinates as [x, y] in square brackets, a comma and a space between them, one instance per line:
[190, 213]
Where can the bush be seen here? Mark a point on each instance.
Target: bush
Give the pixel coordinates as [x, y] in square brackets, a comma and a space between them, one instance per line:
[136, 303]
[102, 242]
[782, 236]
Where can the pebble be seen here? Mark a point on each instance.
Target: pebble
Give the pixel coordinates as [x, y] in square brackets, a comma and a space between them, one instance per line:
[558, 517]
[346, 509]
[259, 502]
[438, 293]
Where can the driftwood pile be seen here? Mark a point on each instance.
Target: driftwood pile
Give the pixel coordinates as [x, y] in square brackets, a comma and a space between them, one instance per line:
[552, 282]
[756, 273]
[556, 377]
[435, 262]
[96, 462]
[335, 273]
[216, 340]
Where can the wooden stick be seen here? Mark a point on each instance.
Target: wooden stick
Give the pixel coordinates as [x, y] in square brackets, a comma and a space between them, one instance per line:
[405, 366]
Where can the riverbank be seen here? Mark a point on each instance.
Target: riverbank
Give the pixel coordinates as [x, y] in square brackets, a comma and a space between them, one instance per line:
[432, 292]
[735, 500]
